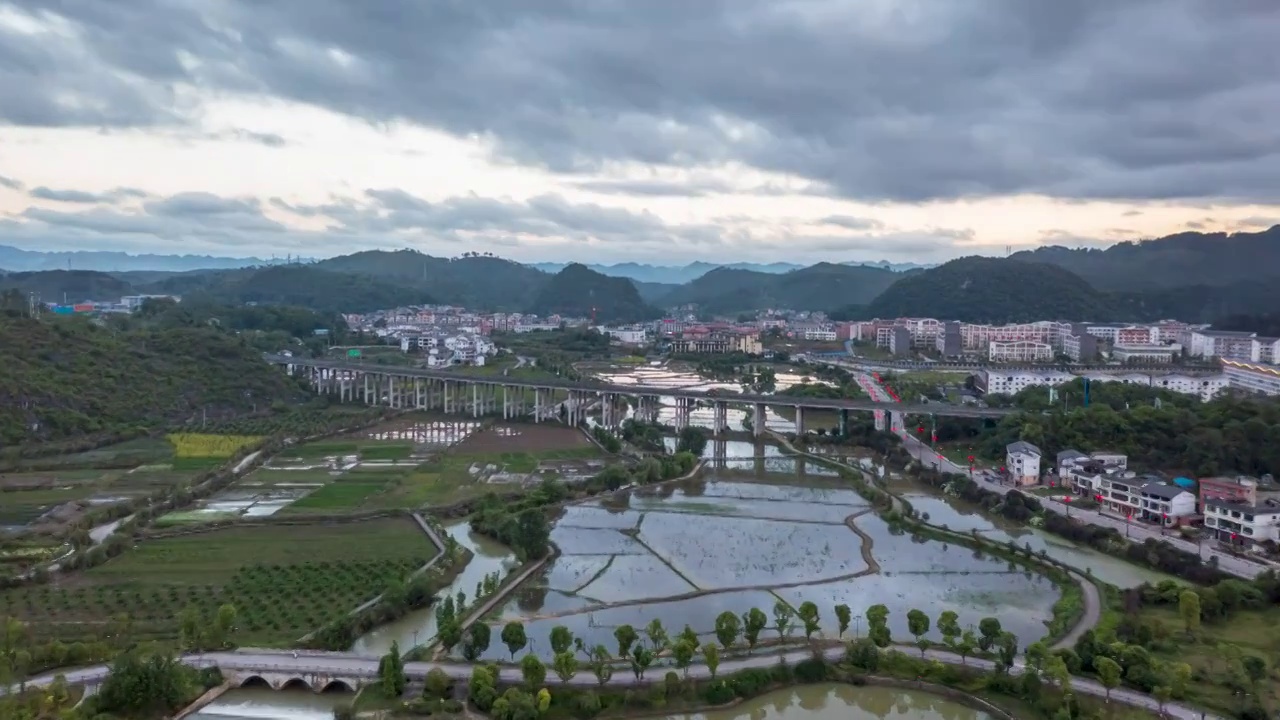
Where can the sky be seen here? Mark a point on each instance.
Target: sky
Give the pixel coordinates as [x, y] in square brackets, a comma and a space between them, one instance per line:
[658, 131]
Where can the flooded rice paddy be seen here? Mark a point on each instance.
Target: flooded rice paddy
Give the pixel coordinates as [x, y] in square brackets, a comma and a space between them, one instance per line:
[687, 552]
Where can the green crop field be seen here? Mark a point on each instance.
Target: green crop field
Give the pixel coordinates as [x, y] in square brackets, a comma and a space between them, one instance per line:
[284, 581]
[342, 495]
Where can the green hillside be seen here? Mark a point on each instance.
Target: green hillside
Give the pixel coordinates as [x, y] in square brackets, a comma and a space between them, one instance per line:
[67, 376]
[580, 291]
[479, 282]
[1211, 259]
[302, 285]
[997, 290]
[728, 290]
[72, 286]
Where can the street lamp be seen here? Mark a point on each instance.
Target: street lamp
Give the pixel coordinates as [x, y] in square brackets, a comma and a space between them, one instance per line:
[857, 626]
[1127, 518]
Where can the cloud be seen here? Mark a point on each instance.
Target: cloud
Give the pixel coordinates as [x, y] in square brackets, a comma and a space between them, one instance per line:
[381, 217]
[11, 183]
[242, 135]
[852, 223]
[1261, 223]
[66, 196]
[952, 99]
[82, 197]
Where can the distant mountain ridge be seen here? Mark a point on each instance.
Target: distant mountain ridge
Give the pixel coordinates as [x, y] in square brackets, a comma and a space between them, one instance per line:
[680, 274]
[17, 260]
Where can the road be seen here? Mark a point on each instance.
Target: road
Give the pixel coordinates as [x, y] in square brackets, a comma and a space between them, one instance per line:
[338, 665]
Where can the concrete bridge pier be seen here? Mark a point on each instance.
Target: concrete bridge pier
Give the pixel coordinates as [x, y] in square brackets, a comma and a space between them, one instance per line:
[684, 406]
[720, 453]
[393, 392]
[800, 429]
[720, 417]
[896, 421]
[539, 404]
[759, 414]
[844, 423]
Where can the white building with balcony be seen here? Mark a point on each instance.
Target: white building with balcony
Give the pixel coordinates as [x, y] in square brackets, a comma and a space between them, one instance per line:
[1029, 351]
[1251, 377]
[1022, 460]
[1242, 524]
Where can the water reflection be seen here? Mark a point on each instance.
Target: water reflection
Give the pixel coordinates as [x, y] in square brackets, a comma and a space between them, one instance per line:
[844, 702]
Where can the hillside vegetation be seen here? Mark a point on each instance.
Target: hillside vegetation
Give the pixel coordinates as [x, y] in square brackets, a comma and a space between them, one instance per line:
[65, 376]
[73, 286]
[580, 291]
[979, 289]
[821, 286]
[304, 285]
[474, 281]
[1192, 258]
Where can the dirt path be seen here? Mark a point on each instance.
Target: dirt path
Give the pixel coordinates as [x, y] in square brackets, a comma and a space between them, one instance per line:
[867, 556]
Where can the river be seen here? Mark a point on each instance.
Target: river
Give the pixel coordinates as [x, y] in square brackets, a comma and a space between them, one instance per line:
[805, 702]
[488, 556]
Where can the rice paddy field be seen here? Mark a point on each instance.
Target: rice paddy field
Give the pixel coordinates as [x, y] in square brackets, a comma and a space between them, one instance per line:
[734, 542]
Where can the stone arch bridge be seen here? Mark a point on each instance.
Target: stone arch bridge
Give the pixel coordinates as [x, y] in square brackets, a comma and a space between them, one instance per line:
[287, 680]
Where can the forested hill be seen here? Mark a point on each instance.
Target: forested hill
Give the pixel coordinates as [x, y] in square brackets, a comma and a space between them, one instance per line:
[980, 289]
[1212, 259]
[475, 281]
[818, 287]
[64, 377]
[582, 292]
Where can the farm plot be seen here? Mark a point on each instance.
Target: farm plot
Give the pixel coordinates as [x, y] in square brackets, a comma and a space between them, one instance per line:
[424, 432]
[542, 440]
[593, 541]
[738, 552]
[283, 581]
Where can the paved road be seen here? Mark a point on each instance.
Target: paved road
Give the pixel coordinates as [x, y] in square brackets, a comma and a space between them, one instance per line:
[338, 665]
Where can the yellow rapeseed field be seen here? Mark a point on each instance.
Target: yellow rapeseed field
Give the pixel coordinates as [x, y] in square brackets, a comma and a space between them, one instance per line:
[200, 445]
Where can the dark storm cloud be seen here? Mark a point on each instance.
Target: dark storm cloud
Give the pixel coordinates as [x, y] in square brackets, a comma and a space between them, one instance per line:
[910, 100]
[381, 217]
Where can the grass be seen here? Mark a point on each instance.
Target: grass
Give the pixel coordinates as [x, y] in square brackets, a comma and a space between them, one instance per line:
[1254, 632]
[337, 496]
[394, 451]
[284, 581]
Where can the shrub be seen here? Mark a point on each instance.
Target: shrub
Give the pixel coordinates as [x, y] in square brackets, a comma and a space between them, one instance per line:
[718, 692]
[811, 670]
[586, 705]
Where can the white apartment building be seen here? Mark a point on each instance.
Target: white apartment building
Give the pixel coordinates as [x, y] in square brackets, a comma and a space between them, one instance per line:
[1019, 351]
[1022, 460]
[1206, 387]
[1011, 383]
[627, 335]
[1252, 378]
[747, 343]
[1165, 504]
[1265, 350]
[1145, 353]
[978, 337]
[814, 335]
[1243, 524]
[1221, 344]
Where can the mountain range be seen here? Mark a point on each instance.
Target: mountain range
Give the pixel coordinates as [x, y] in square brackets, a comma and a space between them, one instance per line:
[1189, 276]
[680, 274]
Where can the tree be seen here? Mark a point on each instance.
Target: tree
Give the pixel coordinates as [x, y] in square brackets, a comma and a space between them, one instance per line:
[391, 672]
[728, 627]
[533, 671]
[544, 701]
[566, 665]
[142, 687]
[601, 664]
[949, 626]
[1108, 673]
[189, 628]
[657, 635]
[753, 622]
[482, 690]
[436, 684]
[223, 624]
[688, 635]
[918, 625]
[989, 632]
[626, 637]
[641, 659]
[477, 642]
[561, 639]
[968, 643]
[450, 634]
[711, 654]
[878, 625]
[1007, 644]
[1189, 609]
[1254, 667]
[514, 638]
[1036, 654]
[808, 614]
[843, 615]
[683, 651]
[782, 614]
[1180, 679]
[1162, 694]
[1055, 668]
[692, 440]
